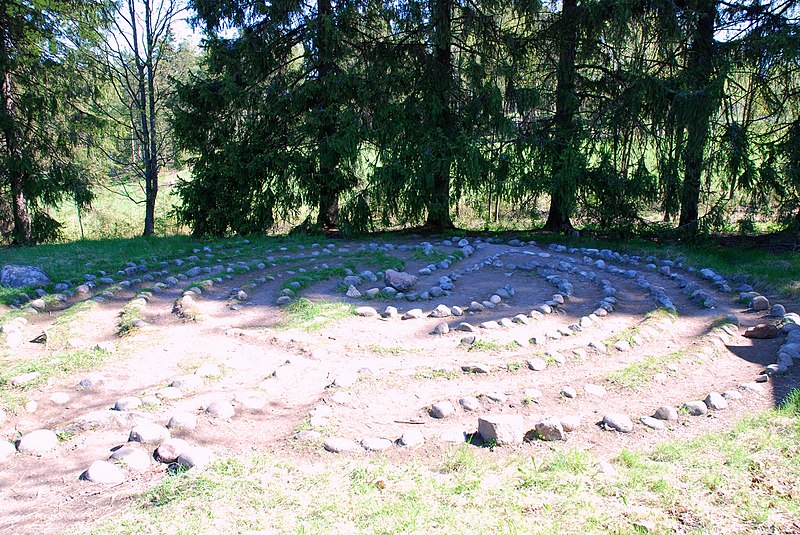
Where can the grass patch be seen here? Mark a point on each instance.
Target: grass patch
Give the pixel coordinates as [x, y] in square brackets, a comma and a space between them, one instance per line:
[53, 365]
[738, 481]
[313, 315]
[488, 345]
[638, 375]
[129, 318]
[436, 374]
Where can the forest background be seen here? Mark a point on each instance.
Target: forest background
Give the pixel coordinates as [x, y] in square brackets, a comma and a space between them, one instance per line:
[649, 117]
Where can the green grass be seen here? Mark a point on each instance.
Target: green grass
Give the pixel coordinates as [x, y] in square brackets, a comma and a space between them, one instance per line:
[481, 344]
[638, 375]
[52, 365]
[310, 315]
[436, 374]
[740, 481]
[779, 271]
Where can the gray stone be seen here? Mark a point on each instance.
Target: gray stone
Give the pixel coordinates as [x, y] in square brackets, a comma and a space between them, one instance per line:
[169, 450]
[732, 394]
[569, 392]
[399, 280]
[759, 303]
[127, 403]
[476, 368]
[442, 409]
[189, 383]
[695, 408]
[716, 401]
[441, 311]
[652, 423]
[375, 443]
[476, 307]
[149, 433]
[38, 442]
[390, 312]
[104, 472]
[489, 325]
[283, 300]
[441, 328]
[470, 403]
[15, 276]
[537, 364]
[353, 292]
[340, 445]
[182, 421]
[667, 413]
[595, 390]
[414, 313]
[134, 457]
[454, 435]
[221, 409]
[777, 311]
[570, 423]
[618, 422]
[195, 458]
[497, 397]
[622, 345]
[466, 327]
[308, 436]
[366, 312]
[550, 429]
[412, 437]
[25, 378]
[503, 429]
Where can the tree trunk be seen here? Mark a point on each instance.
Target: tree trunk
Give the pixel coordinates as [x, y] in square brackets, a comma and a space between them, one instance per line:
[15, 168]
[701, 66]
[443, 78]
[151, 191]
[328, 193]
[562, 195]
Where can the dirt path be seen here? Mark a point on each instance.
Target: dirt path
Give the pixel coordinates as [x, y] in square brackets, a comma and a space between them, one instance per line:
[360, 377]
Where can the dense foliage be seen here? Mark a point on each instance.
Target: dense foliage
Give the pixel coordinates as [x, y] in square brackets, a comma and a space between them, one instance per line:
[357, 114]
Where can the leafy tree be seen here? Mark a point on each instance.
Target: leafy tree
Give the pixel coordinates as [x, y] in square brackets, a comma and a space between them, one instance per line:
[276, 122]
[136, 57]
[43, 118]
[441, 125]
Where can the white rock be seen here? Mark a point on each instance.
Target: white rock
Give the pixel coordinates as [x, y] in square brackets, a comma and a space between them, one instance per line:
[618, 422]
[503, 429]
[195, 458]
[221, 409]
[38, 442]
[149, 433]
[104, 472]
[169, 450]
[135, 457]
[340, 445]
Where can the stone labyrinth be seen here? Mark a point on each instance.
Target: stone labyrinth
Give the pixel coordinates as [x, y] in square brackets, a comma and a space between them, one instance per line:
[413, 346]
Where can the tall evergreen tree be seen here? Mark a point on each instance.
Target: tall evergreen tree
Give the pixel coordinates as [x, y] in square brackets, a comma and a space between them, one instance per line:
[43, 120]
[282, 104]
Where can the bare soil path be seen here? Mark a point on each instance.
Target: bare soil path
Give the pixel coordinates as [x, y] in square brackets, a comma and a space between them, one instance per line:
[370, 376]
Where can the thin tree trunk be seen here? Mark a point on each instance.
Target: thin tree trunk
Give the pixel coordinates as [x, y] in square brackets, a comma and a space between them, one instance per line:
[439, 204]
[562, 195]
[151, 183]
[141, 105]
[701, 57]
[328, 197]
